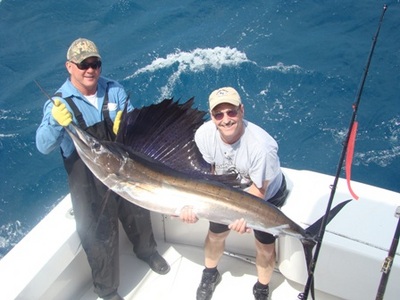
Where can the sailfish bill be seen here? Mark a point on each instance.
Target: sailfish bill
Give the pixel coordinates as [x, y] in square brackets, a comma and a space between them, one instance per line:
[155, 164]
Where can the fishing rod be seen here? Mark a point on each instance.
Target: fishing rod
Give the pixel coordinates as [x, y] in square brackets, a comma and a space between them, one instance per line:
[43, 91]
[387, 265]
[352, 126]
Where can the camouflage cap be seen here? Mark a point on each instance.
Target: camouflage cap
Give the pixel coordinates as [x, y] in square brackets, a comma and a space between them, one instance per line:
[81, 49]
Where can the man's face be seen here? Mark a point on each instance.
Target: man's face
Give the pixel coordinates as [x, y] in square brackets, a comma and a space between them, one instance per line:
[229, 121]
[85, 75]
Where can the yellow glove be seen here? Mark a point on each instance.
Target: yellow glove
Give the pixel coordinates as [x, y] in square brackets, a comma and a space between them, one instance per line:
[60, 113]
[117, 122]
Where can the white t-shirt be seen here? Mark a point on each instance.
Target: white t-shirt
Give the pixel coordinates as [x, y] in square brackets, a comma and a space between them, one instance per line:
[93, 100]
[254, 156]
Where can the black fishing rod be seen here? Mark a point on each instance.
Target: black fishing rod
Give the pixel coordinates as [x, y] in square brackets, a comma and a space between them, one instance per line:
[310, 280]
[43, 91]
[387, 265]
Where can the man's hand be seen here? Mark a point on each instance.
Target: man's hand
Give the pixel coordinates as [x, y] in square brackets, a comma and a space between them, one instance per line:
[240, 226]
[117, 122]
[187, 215]
[60, 113]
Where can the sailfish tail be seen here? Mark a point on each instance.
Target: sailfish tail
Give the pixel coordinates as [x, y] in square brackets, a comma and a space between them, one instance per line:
[313, 229]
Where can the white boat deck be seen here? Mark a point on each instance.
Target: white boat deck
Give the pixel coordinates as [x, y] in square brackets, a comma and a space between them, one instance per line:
[238, 278]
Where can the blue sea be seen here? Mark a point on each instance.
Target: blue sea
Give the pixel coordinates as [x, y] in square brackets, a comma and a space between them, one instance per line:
[297, 64]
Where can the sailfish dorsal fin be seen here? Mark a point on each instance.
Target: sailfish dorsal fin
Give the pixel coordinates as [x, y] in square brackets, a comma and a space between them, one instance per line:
[165, 132]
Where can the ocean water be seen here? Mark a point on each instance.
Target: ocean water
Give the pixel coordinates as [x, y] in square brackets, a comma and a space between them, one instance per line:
[297, 64]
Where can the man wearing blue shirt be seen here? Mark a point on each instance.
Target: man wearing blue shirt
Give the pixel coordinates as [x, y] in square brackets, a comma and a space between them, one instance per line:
[95, 103]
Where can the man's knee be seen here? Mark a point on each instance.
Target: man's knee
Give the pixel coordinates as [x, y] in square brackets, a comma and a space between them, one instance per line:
[265, 249]
[217, 237]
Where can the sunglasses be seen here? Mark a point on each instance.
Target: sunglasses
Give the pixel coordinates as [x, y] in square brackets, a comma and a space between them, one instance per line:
[86, 65]
[232, 113]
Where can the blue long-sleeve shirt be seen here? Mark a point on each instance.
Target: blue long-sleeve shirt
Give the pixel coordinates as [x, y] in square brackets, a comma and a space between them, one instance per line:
[50, 135]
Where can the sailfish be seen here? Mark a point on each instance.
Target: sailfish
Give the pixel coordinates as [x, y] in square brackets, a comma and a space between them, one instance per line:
[154, 163]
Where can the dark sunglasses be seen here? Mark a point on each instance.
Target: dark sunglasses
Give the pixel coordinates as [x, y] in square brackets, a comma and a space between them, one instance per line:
[232, 113]
[86, 65]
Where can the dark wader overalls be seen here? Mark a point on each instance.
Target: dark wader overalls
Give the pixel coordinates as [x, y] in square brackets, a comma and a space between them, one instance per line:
[97, 211]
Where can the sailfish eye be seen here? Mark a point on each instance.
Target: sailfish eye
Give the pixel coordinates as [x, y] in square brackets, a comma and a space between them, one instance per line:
[96, 146]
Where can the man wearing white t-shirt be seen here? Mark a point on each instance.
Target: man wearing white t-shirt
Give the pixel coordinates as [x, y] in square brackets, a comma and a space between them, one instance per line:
[231, 144]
